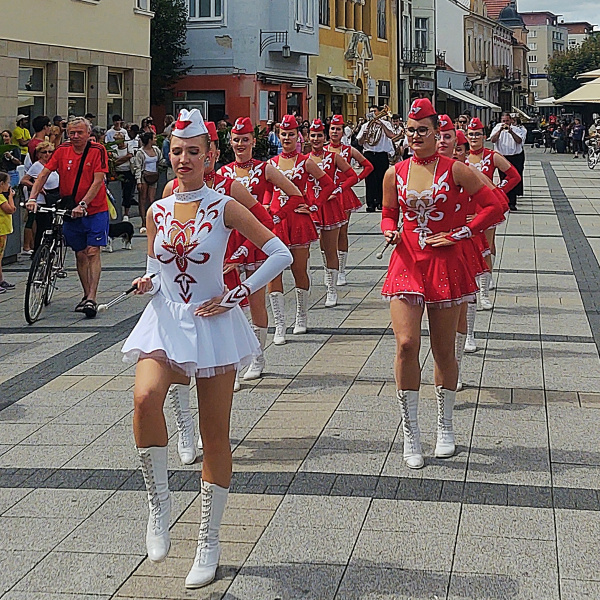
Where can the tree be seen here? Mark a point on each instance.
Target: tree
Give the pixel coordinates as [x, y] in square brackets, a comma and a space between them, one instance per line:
[168, 46]
[563, 67]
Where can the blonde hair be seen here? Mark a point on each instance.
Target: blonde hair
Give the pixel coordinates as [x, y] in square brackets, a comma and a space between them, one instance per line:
[43, 146]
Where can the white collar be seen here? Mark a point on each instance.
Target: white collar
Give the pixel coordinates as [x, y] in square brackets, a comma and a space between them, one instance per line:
[193, 196]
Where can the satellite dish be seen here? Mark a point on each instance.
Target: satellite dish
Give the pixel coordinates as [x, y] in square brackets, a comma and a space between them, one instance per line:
[468, 85]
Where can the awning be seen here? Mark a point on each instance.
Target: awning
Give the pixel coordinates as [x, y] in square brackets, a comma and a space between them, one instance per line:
[522, 113]
[588, 93]
[589, 74]
[546, 102]
[296, 81]
[472, 99]
[339, 85]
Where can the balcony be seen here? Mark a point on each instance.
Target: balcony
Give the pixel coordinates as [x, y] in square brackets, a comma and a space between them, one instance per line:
[414, 57]
[440, 59]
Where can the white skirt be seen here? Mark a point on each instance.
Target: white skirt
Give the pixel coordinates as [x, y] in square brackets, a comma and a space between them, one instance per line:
[196, 346]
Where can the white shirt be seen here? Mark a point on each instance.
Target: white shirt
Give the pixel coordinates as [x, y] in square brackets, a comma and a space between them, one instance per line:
[120, 153]
[506, 144]
[109, 136]
[51, 183]
[384, 144]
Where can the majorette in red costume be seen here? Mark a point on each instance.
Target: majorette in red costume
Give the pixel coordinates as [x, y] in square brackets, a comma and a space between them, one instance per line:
[419, 272]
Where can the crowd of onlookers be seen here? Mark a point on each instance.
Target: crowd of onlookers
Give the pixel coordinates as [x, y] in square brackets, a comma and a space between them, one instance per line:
[563, 135]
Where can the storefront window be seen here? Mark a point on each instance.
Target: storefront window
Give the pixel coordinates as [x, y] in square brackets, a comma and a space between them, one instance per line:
[114, 105]
[32, 93]
[321, 100]
[294, 100]
[337, 104]
[274, 106]
[77, 93]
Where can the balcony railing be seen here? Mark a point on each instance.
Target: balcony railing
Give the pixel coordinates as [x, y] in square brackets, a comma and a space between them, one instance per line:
[414, 57]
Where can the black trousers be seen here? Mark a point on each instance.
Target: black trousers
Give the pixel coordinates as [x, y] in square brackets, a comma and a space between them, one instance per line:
[128, 185]
[374, 181]
[518, 162]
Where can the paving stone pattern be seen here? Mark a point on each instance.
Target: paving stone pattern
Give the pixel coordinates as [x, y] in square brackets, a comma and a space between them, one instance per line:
[321, 504]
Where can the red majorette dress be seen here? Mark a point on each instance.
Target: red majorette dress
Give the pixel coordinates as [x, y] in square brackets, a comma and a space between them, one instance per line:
[330, 213]
[350, 201]
[191, 258]
[419, 273]
[297, 229]
[245, 252]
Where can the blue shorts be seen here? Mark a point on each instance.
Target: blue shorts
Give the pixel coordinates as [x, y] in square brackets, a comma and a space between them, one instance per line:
[91, 230]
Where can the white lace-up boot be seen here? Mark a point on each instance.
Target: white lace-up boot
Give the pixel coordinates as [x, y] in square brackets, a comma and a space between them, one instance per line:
[492, 281]
[331, 284]
[484, 291]
[343, 258]
[257, 365]
[324, 258]
[409, 403]
[470, 343]
[301, 324]
[278, 308]
[214, 499]
[237, 386]
[444, 448]
[154, 470]
[459, 349]
[179, 399]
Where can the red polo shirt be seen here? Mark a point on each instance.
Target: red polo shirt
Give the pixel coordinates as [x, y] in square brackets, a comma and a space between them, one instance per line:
[65, 161]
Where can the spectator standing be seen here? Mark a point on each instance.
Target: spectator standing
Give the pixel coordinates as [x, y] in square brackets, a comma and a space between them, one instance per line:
[123, 154]
[90, 117]
[169, 123]
[273, 139]
[578, 132]
[166, 150]
[87, 230]
[148, 125]
[117, 127]
[133, 131]
[10, 159]
[462, 122]
[41, 130]
[145, 169]
[7, 209]
[21, 135]
[508, 139]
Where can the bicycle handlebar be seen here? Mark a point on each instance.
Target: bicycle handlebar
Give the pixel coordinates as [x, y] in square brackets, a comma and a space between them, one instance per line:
[51, 209]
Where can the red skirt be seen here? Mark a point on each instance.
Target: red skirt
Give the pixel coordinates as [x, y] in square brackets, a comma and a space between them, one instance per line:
[438, 277]
[482, 244]
[473, 257]
[298, 230]
[331, 215]
[249, 257]
[350, 201]
[232, 280]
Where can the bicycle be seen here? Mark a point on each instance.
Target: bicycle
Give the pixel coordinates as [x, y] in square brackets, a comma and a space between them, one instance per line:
[593, 156]
[47, 265]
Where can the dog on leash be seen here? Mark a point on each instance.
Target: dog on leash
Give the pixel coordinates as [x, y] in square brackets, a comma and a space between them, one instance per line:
[122, 230]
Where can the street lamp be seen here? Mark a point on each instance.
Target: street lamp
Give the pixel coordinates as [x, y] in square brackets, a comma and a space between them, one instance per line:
[275, 37]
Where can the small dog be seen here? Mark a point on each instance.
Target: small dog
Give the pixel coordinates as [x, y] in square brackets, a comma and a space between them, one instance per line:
[122, 230]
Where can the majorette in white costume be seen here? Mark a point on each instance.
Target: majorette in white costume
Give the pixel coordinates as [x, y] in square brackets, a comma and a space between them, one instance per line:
[193, 326]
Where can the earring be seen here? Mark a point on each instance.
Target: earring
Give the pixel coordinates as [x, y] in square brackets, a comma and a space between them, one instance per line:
[206, 164]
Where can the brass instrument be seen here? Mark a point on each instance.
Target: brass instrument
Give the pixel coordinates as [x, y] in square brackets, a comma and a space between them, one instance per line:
[374, 129]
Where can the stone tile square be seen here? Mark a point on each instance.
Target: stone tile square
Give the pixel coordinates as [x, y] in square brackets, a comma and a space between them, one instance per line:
[39, 457]
[14, 564]
[578, 540]
[24, 533]
[55, 434]
[15, 595]
[10, 496]
[57, 504]
[579, 590]
[13, 433]
[172, 588]
[576, 476]
[467, 586]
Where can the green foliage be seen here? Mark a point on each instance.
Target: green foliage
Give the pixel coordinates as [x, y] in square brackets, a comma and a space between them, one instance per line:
[168, 46]
[564, 66]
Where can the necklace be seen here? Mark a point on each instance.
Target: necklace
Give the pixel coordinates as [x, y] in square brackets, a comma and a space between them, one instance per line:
[332, 145]
[318, 153]
[476, 152]
[425, 161]
[209, 176]
[246, 165]
[291, 154]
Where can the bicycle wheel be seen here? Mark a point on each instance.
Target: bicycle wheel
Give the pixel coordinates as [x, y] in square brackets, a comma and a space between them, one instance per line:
[56, 266]
[37, 282]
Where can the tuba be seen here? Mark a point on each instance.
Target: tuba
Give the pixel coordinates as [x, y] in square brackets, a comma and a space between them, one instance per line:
[374, 127]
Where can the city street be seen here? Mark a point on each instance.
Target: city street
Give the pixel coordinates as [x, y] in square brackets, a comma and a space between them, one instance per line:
[322, 506]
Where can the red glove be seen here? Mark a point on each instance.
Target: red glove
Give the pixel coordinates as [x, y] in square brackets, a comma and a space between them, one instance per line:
[288, 208]
[489, 212]
[261, 213]
[367, 169]
[327, 188]
[511, 180]
[351, 178]
[389, 219]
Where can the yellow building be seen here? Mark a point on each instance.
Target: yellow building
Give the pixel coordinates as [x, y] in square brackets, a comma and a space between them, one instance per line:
[357, 62]
[61, 57]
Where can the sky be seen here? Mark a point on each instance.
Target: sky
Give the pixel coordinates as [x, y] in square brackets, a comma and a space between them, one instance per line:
[581, 10]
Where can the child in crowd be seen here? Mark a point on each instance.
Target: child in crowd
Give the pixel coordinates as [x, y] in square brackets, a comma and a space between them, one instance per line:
[7, 208]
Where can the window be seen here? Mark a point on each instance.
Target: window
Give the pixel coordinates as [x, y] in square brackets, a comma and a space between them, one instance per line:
[143, 4]
[421, 37]
[381, 19]
[337, 104]
[294, 102]
[304, 14]
[532, 58]
[532, 33]
[533, 70]
[533, 46]
[206, 10]
[536, 95]
[468, 47]
[533, 83]
[114, 104]
[32, 91]
[324, 12]
[406, 43]
[274, 106]
[77, 93]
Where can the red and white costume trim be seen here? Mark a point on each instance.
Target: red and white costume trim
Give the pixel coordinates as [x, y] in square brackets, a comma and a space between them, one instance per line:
[330, 213]
[350, 201]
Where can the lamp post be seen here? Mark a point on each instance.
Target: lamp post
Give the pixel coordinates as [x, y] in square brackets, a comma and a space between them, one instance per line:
[275, 37]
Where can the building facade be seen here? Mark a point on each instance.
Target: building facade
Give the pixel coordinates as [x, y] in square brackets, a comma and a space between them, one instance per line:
[577, 32]
[50, 66]
[249, 59]
[356, 63]
[545, 37]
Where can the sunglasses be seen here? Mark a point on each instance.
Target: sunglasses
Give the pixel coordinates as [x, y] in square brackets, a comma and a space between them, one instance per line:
[46, 151]
[461, 121]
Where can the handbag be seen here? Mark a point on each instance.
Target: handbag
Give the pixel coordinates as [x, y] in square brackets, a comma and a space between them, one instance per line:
[150, 177]
[52, 196]
[68, 202]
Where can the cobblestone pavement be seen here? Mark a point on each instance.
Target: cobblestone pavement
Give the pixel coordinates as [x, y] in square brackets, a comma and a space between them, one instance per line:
[322, 506]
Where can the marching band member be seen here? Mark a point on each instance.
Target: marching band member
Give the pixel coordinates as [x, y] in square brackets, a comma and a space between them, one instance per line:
[192, 327]
[351, 202]
[427, 269]
[487, 162]
[331, 216]
[297, 231]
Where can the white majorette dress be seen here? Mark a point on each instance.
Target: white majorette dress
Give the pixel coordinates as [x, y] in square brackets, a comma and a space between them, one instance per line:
[191, 261]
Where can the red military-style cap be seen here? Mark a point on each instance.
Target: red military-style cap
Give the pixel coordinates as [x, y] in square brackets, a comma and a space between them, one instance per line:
[212, 131]
[317, 125]
[289, 122]
[475, 124]
[421, 109]
[243, 125]
[461, 138]
[446, 123]
[337, 120]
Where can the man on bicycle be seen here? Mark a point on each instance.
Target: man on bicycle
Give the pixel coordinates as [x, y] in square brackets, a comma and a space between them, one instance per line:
[87, 231]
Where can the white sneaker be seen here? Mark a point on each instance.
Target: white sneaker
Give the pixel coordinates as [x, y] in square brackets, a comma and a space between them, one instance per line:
[125, 219]
[142, 230]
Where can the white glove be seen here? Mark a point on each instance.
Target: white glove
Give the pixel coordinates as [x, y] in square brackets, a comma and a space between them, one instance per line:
[153, 268]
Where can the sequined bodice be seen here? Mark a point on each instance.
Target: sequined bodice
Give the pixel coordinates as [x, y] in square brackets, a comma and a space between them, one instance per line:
[255, 181]
[298, 175]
